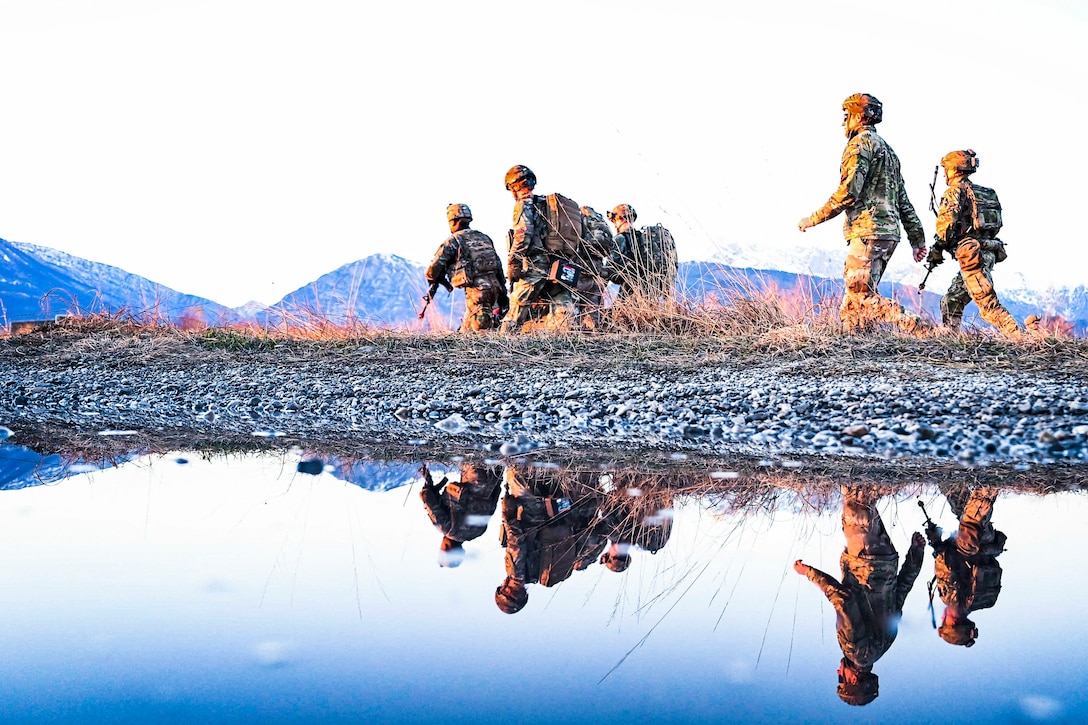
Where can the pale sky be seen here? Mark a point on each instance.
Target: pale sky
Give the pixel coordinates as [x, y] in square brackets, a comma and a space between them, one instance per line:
[239, 149]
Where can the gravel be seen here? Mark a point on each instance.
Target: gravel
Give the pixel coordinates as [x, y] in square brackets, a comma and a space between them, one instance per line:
[893, 410]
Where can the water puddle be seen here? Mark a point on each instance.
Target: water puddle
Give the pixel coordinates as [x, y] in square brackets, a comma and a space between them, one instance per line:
[288, 585]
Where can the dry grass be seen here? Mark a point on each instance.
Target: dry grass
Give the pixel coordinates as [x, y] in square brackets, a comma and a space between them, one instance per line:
[750, 327]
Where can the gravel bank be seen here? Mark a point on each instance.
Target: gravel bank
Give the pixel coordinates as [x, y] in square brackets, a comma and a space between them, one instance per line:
[890, 410]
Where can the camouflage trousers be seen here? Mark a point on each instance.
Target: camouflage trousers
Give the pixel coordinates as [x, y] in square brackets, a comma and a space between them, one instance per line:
[481, 303]
[862, 526]
[975, 282]
[975, 510]
[862, 305]
[538, 297]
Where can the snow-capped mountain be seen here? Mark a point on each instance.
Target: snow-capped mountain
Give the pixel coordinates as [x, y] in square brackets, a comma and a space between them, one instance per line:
[386, 290]
[39, 282]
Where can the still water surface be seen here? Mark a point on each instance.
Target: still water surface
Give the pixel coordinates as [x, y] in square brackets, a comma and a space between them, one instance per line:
[238, 588]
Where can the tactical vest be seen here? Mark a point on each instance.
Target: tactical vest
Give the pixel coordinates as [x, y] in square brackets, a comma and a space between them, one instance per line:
[476, 259]
[985, 210]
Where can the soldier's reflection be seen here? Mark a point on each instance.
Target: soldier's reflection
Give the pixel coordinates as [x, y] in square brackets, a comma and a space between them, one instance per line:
[636, 516]
[869, 600]
[968, 576]
[550, 527]
[461, 509]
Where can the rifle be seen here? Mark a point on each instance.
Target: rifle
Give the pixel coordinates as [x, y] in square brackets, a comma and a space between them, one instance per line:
[931, 531]
[431, 293]
[932, 260]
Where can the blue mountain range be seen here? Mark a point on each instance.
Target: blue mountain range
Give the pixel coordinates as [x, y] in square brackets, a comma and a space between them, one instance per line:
[386, 291]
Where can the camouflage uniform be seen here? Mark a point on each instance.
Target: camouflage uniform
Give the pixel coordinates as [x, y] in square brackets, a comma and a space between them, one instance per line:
[872, 194]
[469, 259]
[549, 529]
[591, 260]
[967, 574]
[869, 600]
[977, 252]
[529, 266]
[638, 268]
[461, 510]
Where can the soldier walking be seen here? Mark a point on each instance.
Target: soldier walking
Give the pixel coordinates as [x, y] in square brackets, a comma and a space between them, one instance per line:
[529, 263]
[869, 600]
[642, 266]
[469, 260]
[967, 225]
[966, 572]
[460, 510]
[872, 195]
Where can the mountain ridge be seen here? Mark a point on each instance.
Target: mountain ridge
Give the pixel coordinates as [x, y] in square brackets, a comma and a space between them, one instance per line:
[386, 290]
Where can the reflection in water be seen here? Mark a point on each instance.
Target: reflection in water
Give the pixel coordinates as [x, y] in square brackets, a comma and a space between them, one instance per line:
[558, 521]
[966, 571]
[461, 510]
[327, 582]
[869, 600]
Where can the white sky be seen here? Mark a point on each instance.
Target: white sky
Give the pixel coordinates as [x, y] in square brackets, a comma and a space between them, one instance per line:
[238, 149]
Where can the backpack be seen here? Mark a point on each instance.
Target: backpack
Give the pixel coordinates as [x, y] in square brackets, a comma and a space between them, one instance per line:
[477, 258]
[985, 583]
[985, 209]
[658, 254]
[563, 225]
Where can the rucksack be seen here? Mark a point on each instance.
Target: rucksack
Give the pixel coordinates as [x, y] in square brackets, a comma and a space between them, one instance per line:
[985, 582]
[659, 249]
[478, 257]
[985, 209]
[563, 225]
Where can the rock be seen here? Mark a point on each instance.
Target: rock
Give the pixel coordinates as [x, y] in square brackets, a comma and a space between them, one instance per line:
[856, 431]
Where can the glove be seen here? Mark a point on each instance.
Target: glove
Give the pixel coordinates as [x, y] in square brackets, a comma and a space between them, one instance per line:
[935, 256]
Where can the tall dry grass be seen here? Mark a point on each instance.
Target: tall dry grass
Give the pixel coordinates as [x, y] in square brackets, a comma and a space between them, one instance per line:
[745, 324]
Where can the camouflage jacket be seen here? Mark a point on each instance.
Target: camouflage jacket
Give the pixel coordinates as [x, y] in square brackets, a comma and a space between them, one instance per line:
[452, 257]
[526, 239]
[547, 549]
[871, 192]
[868, 602]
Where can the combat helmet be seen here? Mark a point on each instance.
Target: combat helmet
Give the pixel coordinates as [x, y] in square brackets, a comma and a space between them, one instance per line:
[520, 173]
[511, 596]
[962, 633]
[458, 211]
[623, 211]
[866, 105]
[965, 162]
[862, 692]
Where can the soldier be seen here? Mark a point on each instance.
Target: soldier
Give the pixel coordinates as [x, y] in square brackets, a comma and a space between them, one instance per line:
[642, 266]
[461, 510]
[872, 195]
[529, 263]
[967, 226]
[967, 574]
[593, 260]
[643, 520]
[469, 260]
[549, 530]
[869, 601]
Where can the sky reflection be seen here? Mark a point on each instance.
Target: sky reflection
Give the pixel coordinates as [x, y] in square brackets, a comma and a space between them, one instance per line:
[237, 588]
